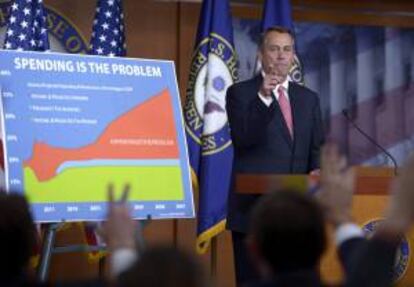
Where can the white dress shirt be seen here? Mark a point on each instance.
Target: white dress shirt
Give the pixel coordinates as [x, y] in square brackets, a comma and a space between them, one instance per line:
[347, 231]
[121, 260]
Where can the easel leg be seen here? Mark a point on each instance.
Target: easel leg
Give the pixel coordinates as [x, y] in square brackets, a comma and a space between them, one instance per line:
[46, 255]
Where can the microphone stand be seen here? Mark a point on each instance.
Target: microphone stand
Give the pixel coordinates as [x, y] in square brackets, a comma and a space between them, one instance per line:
[371, 140]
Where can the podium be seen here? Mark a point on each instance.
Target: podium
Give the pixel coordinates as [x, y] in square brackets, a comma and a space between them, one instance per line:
[369, 181]
[369, 202]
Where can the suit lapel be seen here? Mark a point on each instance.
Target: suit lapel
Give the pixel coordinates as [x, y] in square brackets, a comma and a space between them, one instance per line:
[296, 106]
[280, 119]
[257, 80]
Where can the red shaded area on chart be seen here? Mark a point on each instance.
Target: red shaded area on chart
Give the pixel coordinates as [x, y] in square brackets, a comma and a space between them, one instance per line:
[145, 132]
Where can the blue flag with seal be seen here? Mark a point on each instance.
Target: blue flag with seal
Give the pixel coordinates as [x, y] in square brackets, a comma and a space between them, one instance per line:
[213, 70]
[279, 13]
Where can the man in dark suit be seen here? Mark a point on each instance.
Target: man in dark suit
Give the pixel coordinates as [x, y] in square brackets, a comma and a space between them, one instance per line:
[287, 231]
[17, 240]
[17, 244]
[287, 239]
[275, 127]
[287, 234]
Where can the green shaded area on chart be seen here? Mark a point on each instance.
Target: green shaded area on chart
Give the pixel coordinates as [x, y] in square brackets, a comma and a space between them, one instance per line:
[86, 184]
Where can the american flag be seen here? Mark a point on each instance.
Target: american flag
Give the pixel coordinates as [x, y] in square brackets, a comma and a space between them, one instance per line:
[26, 29]
[108, 38]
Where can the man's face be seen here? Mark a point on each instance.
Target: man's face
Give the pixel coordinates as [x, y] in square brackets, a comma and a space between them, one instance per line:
[277, 54]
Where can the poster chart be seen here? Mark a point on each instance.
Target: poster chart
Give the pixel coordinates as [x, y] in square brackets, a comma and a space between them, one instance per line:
[72, 124]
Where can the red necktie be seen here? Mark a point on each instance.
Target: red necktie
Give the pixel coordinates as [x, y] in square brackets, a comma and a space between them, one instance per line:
[286, 110]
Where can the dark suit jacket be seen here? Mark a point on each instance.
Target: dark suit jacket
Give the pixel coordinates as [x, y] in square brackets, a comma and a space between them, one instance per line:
[372, 263]
[367, 263]
[348, 251]
[261, 139]
[306, 278]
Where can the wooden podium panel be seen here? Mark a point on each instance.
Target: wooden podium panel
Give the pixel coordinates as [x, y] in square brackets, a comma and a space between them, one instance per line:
[369, 202]
[369, 180]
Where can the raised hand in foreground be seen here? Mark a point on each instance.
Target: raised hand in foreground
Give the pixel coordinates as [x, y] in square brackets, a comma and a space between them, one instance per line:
[337, 185]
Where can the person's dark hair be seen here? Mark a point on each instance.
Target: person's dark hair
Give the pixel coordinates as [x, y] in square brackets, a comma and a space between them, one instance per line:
[17, 235]
[278, 29]
[289, 230]
[164, 266]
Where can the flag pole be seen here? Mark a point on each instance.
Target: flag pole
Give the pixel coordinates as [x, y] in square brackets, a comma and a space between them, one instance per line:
[213, 259]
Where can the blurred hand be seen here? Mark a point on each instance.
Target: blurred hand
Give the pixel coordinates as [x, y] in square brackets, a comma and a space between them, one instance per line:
[337, 186]
[270, 81]
[315, 172]
[119, 229]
